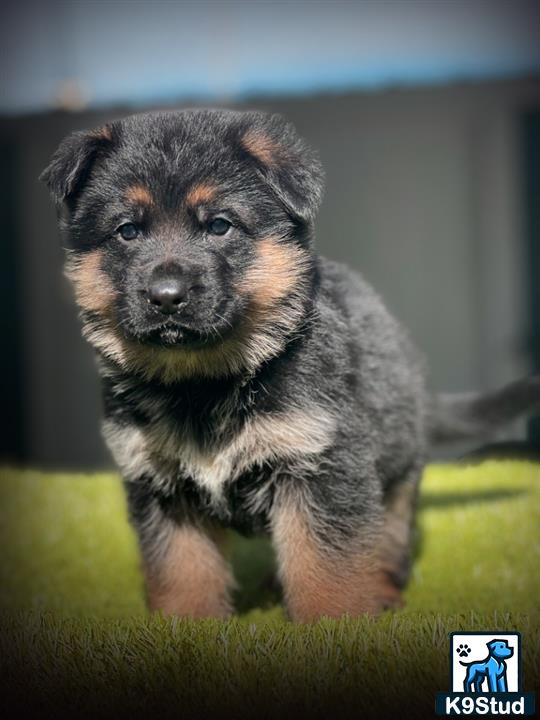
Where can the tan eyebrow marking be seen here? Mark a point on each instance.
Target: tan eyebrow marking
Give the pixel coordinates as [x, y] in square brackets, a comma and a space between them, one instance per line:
[201, 193]
[261, 147]
[139, 194]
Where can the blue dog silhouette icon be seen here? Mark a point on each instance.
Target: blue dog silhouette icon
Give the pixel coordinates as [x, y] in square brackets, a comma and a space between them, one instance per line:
[493, 668]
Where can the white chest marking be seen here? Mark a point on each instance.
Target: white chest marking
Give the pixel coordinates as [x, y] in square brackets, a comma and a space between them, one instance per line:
[268, 437]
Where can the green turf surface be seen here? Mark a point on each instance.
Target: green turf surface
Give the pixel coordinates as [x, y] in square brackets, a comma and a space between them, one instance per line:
[69, 548]
[75, 630]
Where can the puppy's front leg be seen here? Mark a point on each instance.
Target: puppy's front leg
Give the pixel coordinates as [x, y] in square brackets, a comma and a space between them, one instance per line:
[324, 578]
[185, 571]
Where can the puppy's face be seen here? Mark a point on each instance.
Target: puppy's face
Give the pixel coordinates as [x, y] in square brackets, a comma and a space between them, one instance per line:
[188, 238]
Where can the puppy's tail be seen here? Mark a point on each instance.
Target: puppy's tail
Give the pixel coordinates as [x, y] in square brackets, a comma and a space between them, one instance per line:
[478, 415]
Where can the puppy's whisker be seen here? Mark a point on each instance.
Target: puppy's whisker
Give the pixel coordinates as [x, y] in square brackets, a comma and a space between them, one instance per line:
[225, 320]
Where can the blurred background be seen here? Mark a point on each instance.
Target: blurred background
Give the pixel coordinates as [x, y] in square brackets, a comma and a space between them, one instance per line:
[426, 114]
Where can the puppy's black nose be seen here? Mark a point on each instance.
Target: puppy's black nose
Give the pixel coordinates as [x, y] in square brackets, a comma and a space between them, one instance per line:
[168, 294]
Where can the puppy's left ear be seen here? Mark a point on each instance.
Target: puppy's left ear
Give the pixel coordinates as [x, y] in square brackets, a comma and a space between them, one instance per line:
[71, 163]
[286, 163]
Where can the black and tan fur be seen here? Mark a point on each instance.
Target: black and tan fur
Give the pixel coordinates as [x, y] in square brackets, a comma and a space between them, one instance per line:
[278, 396]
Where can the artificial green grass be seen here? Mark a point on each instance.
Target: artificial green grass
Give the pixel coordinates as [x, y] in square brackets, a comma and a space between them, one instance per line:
[68, 547]
[75, 630]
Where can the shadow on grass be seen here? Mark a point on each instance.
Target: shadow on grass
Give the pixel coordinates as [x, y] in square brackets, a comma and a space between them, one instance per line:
[254, 566]
[448, 499]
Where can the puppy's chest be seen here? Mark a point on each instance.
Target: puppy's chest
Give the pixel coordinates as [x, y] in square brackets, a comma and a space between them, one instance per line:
[214, 460]
[231, 448]
[214, 452]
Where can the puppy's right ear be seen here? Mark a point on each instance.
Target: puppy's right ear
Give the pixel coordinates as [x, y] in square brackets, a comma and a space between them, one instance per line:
[71, 163]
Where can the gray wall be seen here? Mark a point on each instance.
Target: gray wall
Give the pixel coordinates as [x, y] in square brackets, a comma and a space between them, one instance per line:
[424, 197]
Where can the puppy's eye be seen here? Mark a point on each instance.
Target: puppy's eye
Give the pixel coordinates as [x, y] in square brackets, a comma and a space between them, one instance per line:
[128, 231]
[218, 226]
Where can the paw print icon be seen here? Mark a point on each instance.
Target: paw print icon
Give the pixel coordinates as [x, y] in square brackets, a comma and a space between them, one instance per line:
[463, 650]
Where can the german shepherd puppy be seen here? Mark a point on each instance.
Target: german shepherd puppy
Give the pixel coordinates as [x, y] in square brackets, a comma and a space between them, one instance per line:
[248, 382]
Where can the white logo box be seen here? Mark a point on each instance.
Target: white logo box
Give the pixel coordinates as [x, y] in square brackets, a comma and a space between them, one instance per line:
[477, 642]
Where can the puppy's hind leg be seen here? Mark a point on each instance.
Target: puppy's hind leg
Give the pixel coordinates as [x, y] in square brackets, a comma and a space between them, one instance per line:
[185, 571]
[394, 550]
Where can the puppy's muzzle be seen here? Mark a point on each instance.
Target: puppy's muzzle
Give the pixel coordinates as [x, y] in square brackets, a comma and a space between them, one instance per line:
[171, 288]
[168, 295]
